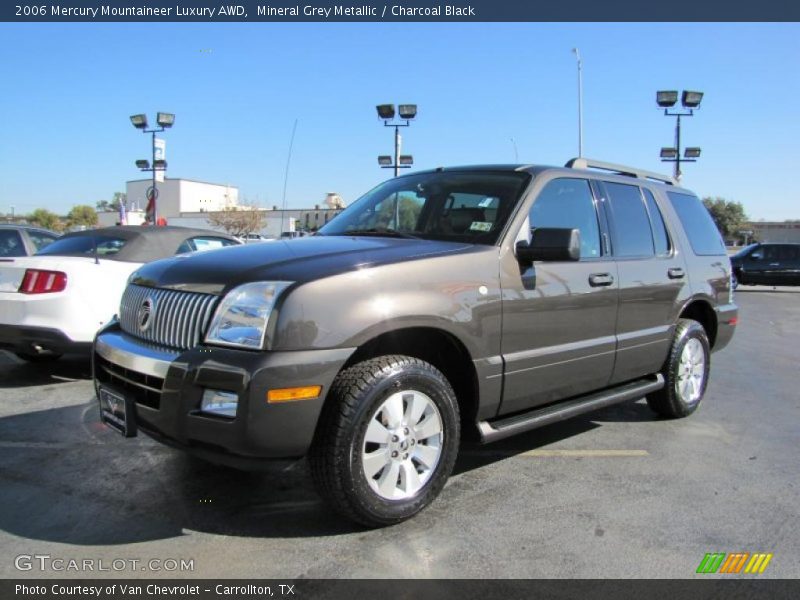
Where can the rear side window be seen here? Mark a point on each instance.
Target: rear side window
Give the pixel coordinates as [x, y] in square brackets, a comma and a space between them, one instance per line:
[789, 253]
[41, 239]
[11, 243]
[697, 223]
[660, 235]
[633, 236]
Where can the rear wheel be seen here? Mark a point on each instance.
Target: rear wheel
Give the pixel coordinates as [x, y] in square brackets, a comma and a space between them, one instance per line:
[387, 440]
[685, 372]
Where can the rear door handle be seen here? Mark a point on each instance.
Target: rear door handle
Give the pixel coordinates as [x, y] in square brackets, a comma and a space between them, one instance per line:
[675, 273]
[774, 264]
[600, 279]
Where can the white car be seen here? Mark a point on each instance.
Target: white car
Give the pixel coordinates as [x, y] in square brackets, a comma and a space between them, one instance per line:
[55, 301]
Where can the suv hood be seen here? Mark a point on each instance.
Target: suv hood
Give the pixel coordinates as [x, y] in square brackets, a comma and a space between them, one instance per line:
[297, 260]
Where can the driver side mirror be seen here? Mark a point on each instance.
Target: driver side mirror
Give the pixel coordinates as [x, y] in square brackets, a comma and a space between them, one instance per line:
[550, 244]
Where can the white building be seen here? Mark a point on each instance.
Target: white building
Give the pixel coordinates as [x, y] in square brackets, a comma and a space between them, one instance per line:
[176, 196]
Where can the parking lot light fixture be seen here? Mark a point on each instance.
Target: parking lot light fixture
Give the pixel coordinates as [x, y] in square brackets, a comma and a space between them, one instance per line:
[139, 121]
[666, 99]
[385, 111]
[406, 112]
[164, 120]
[690, 101]
[692, 152]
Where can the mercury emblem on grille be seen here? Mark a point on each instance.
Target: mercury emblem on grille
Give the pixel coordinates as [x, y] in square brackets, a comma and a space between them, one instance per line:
[145, 314]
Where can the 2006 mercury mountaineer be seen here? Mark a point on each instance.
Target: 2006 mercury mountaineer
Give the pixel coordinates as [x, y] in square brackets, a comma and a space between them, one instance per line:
[492, 299]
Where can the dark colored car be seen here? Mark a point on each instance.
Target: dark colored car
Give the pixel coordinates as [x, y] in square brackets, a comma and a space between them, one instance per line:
[767, 264]
[23, 240]
[486, 300]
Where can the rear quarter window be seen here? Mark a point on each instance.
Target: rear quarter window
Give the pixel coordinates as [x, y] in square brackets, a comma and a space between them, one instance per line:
[697, 223]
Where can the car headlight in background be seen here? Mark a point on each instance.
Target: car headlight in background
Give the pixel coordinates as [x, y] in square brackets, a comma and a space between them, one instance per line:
[242, 316]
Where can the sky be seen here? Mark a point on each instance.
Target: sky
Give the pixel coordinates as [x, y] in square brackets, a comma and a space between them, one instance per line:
[486, 92]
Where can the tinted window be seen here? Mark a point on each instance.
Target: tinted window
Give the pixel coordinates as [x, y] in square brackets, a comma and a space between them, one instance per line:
[568, 203]
[744, 251]
[41, 239]
[84, 244]
[11, 243]
[660, 235]
[789, 252]
[699, 226]
[633, 236]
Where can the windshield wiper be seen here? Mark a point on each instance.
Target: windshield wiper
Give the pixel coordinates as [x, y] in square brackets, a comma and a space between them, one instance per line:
[380, 232]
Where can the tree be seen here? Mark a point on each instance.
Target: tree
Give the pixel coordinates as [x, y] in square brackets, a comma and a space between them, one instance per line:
[729, 216]
[81, 215]
[237, 220]
[44, 218]
[105, 205]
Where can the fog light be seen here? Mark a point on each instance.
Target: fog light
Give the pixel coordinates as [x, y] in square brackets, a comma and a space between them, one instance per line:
[217, 402]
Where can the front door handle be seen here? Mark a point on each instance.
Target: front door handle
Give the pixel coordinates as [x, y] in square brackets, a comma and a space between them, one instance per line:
[600, 279]
[675, 273]
[774, 264]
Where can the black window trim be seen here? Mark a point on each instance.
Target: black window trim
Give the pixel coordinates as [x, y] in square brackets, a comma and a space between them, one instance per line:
[670, 244]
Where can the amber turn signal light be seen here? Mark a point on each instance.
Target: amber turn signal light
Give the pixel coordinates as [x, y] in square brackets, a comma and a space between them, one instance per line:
[308, 392]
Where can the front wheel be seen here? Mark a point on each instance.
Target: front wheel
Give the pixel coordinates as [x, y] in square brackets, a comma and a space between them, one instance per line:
[685, 372]
[387, 440]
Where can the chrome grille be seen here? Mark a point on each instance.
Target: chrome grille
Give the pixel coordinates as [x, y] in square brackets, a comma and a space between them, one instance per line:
[177, 319]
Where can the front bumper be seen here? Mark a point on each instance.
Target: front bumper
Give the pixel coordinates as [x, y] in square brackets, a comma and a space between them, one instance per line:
[167, 388]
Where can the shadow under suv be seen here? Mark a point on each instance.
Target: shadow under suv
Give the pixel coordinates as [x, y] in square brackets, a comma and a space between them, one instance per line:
[494, 298]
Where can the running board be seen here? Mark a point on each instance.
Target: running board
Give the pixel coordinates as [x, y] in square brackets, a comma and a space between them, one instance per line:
[491, 431]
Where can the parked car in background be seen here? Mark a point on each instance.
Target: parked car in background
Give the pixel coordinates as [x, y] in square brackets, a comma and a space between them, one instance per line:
[23, 240]
[55, 301]
[495, 299]
[767, 264]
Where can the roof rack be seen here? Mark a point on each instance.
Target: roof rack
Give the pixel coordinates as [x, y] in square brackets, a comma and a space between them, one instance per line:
[588, 163]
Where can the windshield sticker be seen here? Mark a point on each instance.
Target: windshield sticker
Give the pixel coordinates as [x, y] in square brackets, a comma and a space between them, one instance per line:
[480, 226]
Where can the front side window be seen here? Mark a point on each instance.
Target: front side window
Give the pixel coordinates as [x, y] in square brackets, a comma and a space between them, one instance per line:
[632, 233]
[463, 206]
[568, 203]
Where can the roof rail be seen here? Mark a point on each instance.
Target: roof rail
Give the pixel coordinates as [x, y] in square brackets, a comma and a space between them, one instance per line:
[588, 163]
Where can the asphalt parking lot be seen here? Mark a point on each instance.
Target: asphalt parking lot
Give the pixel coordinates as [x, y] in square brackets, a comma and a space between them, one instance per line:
[617, 493]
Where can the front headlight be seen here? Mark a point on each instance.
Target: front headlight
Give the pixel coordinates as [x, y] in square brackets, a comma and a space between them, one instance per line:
[242, 316]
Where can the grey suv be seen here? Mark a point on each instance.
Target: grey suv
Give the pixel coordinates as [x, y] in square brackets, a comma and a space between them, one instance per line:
[491, 299]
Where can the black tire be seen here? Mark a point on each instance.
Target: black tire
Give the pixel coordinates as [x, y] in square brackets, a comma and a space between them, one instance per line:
[672, 400]
[39, 358]
[357, 398]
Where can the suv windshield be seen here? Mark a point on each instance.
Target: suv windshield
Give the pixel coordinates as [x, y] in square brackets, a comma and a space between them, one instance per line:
[744, 251]
[465, 206]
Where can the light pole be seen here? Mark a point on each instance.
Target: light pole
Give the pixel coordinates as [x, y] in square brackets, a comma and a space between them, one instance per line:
[690, 101]
[165, 121]
[407, 112]
[580, 101]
